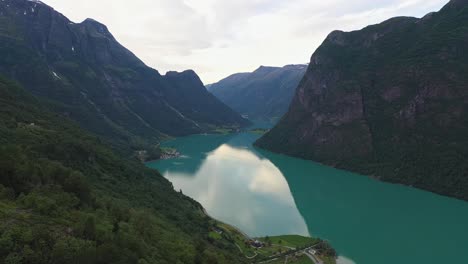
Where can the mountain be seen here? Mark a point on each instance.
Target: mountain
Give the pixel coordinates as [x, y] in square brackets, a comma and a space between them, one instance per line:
[264, 93]
[390, 100]
[86, 74]
[65, 197]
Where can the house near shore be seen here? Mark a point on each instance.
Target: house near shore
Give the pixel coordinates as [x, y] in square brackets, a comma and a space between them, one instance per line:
[256, 244]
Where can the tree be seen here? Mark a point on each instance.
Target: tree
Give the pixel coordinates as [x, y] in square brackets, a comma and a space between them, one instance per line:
[89, 231]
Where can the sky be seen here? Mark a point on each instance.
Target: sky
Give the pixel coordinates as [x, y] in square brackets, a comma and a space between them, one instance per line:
[217, 38]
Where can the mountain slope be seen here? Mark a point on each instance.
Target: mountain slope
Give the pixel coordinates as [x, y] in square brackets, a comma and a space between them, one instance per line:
[89, 76]
[390, 100]
[264, 93]
[66, 198]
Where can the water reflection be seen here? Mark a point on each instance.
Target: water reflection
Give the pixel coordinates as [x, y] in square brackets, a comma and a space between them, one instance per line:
[237, 186]
[365, 220]
[344, 260]
[369, 220]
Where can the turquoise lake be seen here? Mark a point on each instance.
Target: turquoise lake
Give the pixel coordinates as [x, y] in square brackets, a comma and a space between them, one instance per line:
[367, 221]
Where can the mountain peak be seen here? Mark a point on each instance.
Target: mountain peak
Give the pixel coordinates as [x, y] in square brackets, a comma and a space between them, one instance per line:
[92, 21]
[23, 3]
[35, 1]
[457, 4]
[263, 94]
[296, 66]
[355, 109]
[188, 76]
[265, 69]
[98, 26]
[184, 73]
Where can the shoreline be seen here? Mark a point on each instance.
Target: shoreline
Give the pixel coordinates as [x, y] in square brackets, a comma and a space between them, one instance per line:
[247, 244]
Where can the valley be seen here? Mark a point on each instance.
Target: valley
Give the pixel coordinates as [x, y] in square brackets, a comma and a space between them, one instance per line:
[358, 157]
[388, 101]
[267, 194]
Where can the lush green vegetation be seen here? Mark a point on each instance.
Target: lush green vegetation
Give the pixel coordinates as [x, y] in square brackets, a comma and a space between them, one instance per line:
[259, 131]
[67, 198]
[396, 108]
[83, 72]
[302, 259]
[223, 131]
[276, 248]
[291, 241]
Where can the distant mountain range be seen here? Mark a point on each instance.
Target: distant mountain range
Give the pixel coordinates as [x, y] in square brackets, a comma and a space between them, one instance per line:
[83, 71]
[264, 93]
[390, 100]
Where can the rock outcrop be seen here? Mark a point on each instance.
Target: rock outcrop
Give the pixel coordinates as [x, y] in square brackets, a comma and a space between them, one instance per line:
[390, 100]
[91, 78]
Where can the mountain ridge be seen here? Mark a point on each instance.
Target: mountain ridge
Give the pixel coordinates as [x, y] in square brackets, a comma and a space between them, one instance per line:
[264, 93]
[389, 100]
[91, 78]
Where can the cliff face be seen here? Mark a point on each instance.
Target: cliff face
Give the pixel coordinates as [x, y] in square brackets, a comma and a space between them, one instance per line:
[390, 100]
[264, 93]
[91, 78]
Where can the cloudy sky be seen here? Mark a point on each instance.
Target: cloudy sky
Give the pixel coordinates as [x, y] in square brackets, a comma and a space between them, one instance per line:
[219, 37]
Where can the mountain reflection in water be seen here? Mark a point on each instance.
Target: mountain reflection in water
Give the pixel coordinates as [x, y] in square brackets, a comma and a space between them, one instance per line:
[237, 186]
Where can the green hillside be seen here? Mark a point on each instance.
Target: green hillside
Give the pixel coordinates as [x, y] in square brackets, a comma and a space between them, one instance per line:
[67, 198]
[390, 100]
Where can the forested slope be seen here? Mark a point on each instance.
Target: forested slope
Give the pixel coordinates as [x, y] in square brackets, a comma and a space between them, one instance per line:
[67, 198]
[390, 100]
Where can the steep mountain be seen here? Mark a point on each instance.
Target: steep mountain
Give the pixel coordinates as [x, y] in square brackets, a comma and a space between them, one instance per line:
[390, 100]
[264, 93]
[89, 76]
[65, 197]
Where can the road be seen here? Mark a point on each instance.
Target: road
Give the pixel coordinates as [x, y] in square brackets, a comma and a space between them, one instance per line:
[312, 257]
[305, 251]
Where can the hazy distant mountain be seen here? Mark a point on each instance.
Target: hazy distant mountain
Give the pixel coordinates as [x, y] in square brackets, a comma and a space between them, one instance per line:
[90, 77]
[264, 93]
[390, 100]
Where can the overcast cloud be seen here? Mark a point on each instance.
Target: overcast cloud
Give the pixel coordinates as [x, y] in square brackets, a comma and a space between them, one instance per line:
[219, 37]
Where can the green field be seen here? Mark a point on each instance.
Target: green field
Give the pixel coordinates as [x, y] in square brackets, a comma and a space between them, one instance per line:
[279, 247]
[259, 131]
[292, 241]
[303, 259]
[215, 235]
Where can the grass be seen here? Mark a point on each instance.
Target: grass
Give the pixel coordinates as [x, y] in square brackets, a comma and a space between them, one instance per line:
[293, 241]
[168, 150]
[275, 246]
[302, 260]
[223, 131]
[328, 260]
[259, 131]
[238, 238]
[215, 235]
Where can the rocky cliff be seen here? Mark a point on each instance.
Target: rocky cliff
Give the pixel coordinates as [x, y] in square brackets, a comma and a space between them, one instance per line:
[390, 100]
[89, 77]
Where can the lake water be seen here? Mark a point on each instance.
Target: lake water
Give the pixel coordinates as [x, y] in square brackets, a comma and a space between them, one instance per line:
[367, 221]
